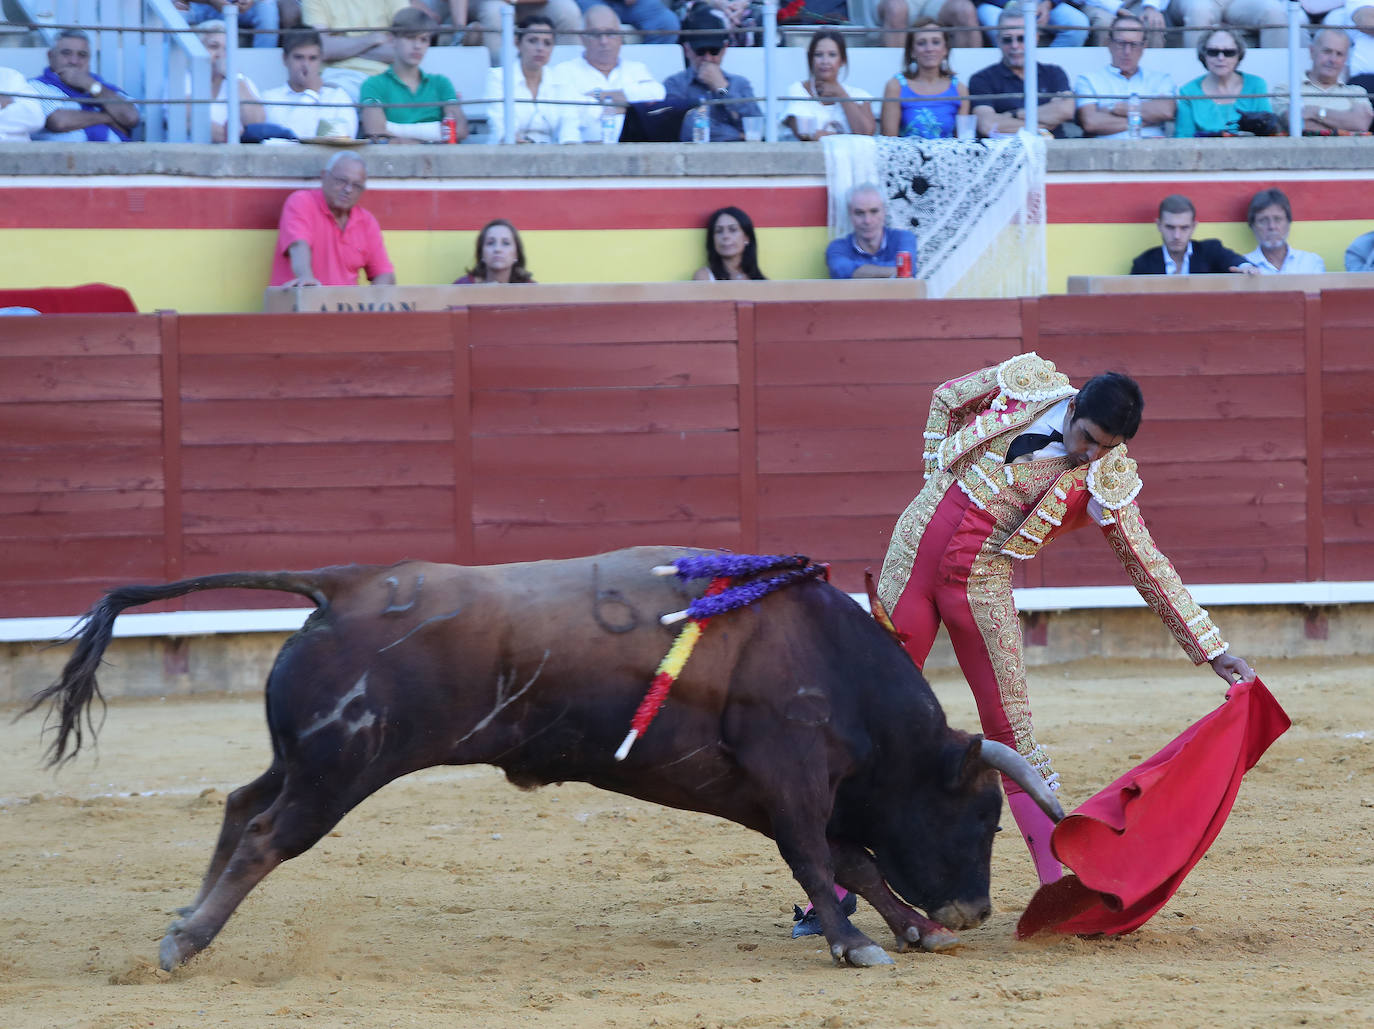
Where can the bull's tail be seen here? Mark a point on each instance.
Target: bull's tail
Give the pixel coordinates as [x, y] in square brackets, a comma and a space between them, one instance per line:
[74, 693]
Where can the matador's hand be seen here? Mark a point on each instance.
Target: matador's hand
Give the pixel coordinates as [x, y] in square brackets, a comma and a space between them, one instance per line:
[1232, 669]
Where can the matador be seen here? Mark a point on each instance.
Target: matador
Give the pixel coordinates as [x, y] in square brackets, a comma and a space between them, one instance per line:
[1015, 457]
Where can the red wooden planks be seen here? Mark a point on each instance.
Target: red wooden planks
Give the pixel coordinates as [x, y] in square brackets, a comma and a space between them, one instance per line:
[575, 366]
[562, 501]
[360, 332]
[352, 420]
[537, 412]
[293, 376]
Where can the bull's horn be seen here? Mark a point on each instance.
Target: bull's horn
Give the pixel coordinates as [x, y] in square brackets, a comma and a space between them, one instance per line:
[1018, 770]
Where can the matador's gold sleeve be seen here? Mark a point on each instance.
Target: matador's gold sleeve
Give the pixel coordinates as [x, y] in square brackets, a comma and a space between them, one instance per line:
[952, 405]
[1154, 577]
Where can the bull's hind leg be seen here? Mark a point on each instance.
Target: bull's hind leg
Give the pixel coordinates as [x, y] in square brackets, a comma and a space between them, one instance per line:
[244, 804]
[292, 824]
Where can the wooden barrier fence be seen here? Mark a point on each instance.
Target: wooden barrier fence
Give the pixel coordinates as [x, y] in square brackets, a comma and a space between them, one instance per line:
[149, 447]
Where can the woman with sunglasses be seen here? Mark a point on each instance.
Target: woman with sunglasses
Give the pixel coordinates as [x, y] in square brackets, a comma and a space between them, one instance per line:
[924, 99]
[1212, 104]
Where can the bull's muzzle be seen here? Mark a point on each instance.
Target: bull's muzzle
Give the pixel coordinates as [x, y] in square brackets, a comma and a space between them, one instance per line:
[963, 914]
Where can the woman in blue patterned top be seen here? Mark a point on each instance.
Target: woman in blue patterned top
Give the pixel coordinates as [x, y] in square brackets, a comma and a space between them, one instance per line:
[923, 101]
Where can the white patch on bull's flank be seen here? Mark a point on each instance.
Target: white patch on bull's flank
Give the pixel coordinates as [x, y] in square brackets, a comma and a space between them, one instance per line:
[504, 699]
[428, 621]
[363, 721]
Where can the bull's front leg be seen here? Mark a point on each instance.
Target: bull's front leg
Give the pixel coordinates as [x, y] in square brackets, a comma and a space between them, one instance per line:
[847, 944]
[858, 872]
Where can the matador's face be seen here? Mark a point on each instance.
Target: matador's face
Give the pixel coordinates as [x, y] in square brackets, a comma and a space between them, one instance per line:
[1085, 440]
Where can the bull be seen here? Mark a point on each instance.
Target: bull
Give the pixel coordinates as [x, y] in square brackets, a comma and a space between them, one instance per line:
[798, 717]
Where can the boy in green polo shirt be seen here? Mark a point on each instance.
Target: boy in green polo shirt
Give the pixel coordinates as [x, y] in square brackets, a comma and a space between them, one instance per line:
[404, 83]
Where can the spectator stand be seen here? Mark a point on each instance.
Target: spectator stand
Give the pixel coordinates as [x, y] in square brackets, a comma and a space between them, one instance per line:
[143, 46]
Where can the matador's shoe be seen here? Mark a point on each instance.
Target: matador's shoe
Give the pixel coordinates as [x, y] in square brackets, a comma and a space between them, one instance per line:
[807, 922]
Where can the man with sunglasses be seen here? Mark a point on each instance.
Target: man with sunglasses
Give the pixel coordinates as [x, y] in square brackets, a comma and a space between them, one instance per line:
[728, 97]
[1005, 113]
[1103, 95]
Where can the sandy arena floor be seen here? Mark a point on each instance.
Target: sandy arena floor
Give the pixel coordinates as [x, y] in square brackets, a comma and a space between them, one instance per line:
[453, 899]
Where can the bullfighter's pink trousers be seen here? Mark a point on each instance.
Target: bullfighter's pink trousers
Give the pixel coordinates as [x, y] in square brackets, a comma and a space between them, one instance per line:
[945, 576]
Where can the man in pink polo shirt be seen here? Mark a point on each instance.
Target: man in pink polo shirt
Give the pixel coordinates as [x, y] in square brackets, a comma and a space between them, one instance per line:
[324, 238]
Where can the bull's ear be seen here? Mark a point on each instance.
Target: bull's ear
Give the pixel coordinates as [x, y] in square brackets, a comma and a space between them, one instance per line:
[963, 762]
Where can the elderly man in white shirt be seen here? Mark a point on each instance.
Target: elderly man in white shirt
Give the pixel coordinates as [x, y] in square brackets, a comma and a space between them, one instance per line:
[19, 117]
[1270, 217]
[599, 74]
[1102, 95]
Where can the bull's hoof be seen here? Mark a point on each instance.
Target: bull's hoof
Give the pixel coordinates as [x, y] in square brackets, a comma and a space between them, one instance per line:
[869, 955]
[176, 949]
[939, 939]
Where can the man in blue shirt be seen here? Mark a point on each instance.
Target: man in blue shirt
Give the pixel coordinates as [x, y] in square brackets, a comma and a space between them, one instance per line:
[870, 251]
[704, 81]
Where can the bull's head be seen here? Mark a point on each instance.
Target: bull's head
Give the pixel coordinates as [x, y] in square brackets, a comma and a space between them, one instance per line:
[938, 851]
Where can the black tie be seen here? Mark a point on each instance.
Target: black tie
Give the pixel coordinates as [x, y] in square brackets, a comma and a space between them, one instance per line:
[1029, 443]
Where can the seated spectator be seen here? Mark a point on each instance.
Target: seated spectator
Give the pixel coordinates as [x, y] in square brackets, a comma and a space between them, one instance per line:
[1359, 256]
[77, 105]
[352, 57]
[924, 100]
[1183, 255]
[324, 238]
[1248, 15]
[870, 251]
[405, 83]
[732, 252]
[500, 256]
[251, 112]
[564, 15]
[1329, 104]
[305, 105]
[1103, 116]
[704, 81]
[653, 18]
[1213, 103]
[262, 15]
[897, 17]
[20, 117]
[1006, 114]
[834, 108]
[1359, 14]
[1101, 14]
[534, 122]
[1270, 217]
[1068, 21]
[600, 75]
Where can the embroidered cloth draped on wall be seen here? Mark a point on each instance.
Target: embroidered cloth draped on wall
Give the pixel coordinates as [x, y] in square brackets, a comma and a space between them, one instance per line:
[978, 209]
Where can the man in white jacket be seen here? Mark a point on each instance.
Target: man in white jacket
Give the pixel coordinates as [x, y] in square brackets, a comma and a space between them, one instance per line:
[600, 75]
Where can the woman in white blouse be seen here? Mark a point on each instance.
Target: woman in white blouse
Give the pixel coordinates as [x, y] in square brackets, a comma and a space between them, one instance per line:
[832, 107]
[534, 122]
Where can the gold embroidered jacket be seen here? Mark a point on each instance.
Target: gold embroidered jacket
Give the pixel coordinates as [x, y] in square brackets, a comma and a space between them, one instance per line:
[972, 423]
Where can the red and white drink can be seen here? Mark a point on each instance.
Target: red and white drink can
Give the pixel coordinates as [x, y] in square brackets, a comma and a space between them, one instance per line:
[449, 130]
[903, 264]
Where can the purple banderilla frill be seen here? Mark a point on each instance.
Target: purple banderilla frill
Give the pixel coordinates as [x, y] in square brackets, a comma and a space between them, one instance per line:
[798, 568]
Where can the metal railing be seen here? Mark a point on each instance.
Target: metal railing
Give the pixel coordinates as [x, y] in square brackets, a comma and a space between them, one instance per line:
[147, 47]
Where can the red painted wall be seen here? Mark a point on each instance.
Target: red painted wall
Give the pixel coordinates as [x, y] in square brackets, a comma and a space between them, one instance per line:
[145, 447]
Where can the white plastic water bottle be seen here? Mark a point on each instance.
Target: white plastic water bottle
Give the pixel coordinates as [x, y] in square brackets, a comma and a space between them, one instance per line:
[701, 124]
[1133, 116]
[609, 130]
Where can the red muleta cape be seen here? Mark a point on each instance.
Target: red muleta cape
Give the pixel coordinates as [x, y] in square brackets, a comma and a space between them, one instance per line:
[1132, 844]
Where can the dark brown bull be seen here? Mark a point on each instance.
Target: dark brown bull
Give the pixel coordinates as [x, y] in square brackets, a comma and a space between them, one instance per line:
[798, 717]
